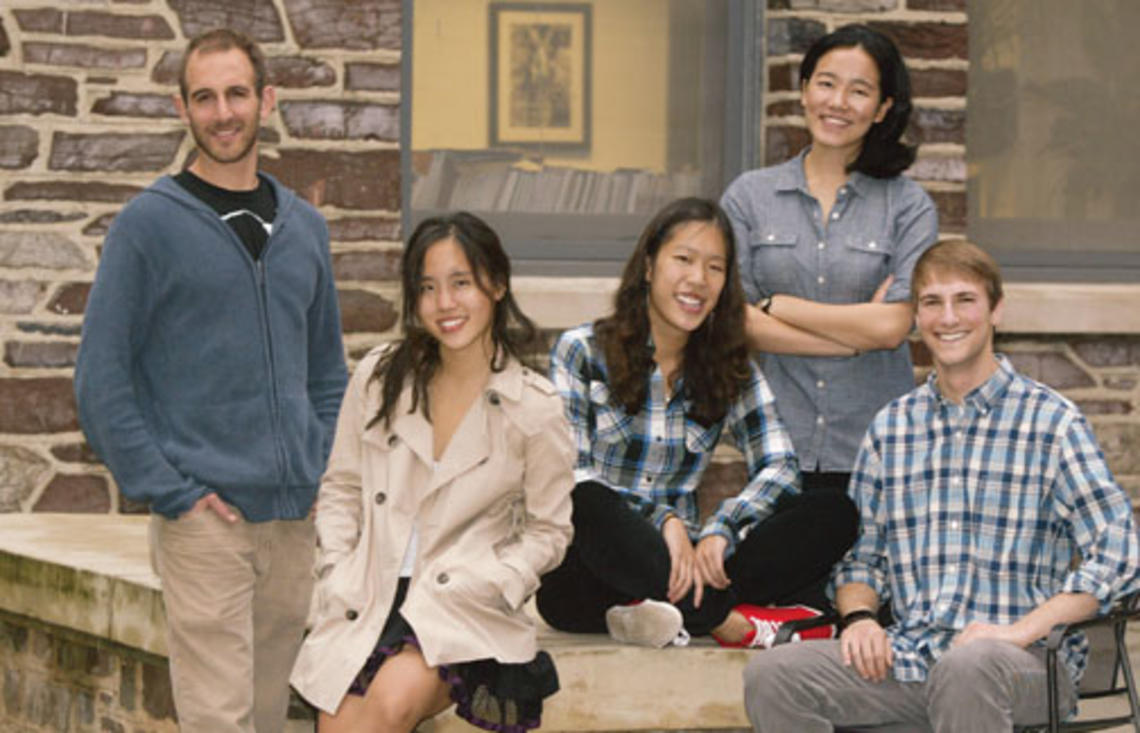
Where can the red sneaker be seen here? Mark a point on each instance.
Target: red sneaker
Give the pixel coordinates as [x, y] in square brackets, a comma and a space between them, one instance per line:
[766, 622]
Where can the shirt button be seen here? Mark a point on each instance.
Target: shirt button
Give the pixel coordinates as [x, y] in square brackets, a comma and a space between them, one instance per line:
[820, 420]
[872, 245]
[771, 237]
[821, 279]
[442, 578]
[822, 245]
[953, 480]
[658, 438]
[648, 478]
[954, 524]
[351, 614]
[381, 498]
[835, 215]
[821, 384]
[958, 434]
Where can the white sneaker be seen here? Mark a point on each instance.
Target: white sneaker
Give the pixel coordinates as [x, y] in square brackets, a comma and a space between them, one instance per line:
[648, 623]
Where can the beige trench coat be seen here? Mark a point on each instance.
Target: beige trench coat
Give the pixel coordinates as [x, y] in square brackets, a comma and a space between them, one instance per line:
[492, 518]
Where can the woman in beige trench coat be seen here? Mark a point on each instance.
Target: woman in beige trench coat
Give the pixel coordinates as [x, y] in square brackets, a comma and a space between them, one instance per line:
[445, 499]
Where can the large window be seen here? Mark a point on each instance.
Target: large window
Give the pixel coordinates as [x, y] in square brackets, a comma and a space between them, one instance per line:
[1052, 143]
[567, 124]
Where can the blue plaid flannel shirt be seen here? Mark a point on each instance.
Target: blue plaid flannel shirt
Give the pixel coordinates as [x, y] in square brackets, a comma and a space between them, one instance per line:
[655, 458]
[974, 512]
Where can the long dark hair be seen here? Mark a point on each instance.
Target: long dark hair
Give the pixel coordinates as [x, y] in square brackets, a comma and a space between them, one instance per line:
[883, 155]
[715, 364]
[416, 356]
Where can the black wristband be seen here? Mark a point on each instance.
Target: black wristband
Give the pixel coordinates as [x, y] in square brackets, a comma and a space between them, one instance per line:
[859, 615]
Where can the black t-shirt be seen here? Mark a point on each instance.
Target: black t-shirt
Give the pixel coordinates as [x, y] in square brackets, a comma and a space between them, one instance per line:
[249, 213]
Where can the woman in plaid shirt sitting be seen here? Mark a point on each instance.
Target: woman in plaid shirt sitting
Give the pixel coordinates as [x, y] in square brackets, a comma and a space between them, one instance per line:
[648, 391]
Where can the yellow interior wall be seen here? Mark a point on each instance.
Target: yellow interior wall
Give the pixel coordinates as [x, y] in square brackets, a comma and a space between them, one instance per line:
[450, 85]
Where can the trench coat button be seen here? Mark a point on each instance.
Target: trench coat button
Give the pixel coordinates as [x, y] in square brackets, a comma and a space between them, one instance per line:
[381, 498]
[442, 578]
[392, 439]
[350, 614]
[493, 398]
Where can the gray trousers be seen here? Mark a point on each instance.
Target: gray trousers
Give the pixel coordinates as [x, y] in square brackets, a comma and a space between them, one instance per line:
[980, 687]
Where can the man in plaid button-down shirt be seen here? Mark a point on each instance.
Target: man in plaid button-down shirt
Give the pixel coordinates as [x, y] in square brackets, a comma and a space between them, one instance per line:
[975, 492]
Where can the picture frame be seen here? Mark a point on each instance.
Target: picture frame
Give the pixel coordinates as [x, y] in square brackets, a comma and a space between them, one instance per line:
[540, 83]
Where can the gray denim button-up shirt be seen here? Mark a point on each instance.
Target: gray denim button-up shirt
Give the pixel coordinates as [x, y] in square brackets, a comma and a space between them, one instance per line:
[877, 227]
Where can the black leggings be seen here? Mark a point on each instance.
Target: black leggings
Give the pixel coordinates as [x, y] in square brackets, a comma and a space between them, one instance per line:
[618, 556]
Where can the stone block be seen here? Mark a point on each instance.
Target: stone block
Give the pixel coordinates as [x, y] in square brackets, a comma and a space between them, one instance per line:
[372, 77]
[127, 104]
[21, 472]
[39, 216]
[40, 354]
[927, 40]
[39, 20]
[49, 329]
[37, 94]
[40, 405]
[80, 493]
[785, 108]
[951, 210]
[41, 249]
[117, 25]
[5, 44]
[13, 692]
[1121, 445]
[19, 296]
[19, 146]
[157, 697]
[938, 82]
[299, 72]
[1051, 368]
[939, 168]
[783, 77]
[108, 725]
[84, 57]
[793, 35]
[1108, 351]
[956, 6]
[346, 24]
[782, 142]
[258, 18]
[166, 70]
[128, 684]
[328, 120]
[70, 298]
[99, 226]
[1120, 382]
[84, 709]
[366, 266]
[364, 312]
[1105, 407]
[364, 180]
[75, 453]
[362, 228]
[70, 191]
[937, 126]
[842, 6]
[110, 151]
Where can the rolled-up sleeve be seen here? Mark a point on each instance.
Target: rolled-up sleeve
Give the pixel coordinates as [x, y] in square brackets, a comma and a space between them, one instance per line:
[866, 561]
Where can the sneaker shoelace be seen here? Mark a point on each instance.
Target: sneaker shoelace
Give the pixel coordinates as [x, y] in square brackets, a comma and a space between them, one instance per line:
[766, 632]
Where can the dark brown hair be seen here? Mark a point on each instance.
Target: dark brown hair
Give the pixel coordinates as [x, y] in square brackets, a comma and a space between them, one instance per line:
[960, 257]
[715, 364]
[416, 356]
[223, 39]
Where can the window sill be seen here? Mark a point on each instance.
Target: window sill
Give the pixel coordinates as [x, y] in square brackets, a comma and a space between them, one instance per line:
[1031, 308]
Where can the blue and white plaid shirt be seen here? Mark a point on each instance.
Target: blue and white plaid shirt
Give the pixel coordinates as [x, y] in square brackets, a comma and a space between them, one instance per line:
[655, 458]
[974, 512]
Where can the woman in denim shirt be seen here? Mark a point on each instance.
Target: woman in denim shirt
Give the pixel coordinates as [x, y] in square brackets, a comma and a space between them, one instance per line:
[827, 243]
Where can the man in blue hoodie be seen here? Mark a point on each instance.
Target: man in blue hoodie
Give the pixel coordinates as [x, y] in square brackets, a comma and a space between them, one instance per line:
[209, 378]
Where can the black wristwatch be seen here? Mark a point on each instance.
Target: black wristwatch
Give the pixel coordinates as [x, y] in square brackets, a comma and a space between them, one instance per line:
[862, 613]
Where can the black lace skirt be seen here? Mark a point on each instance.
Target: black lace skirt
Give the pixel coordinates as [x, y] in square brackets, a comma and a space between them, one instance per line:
[489, 694]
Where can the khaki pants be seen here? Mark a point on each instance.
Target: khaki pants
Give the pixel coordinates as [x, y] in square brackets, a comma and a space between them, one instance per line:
[236, 598]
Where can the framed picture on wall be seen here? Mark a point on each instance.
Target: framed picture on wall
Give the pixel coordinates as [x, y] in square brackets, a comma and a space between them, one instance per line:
[540, 75]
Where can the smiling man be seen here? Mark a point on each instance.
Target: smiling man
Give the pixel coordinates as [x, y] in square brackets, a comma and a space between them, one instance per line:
[975, 492]
[209, 377]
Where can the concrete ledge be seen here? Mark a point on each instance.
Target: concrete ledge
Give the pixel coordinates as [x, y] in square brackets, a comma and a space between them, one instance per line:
[91, 574]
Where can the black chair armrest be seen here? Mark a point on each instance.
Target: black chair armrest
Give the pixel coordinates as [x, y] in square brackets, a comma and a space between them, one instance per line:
[788, 628]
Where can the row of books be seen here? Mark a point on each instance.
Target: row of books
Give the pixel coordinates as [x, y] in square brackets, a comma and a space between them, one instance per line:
[493, 181]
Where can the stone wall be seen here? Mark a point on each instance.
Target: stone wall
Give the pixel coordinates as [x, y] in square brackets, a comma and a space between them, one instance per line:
[86, 121]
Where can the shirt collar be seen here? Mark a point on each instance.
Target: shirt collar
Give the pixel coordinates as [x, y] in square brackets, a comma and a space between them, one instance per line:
[983, 397]
[792, 177]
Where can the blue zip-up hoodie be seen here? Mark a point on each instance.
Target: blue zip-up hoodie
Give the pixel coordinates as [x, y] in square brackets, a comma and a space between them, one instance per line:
[201, 369]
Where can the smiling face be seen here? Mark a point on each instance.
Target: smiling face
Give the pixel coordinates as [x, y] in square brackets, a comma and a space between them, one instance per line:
[451, 306]
[842, 99]
[223, 109]
[685, 279]
[956, 322]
